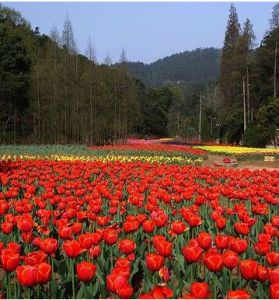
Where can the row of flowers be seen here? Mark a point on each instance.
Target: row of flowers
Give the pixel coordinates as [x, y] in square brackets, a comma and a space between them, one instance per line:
[242, 153]
[110, 158]
[122, 153]
[120, 230]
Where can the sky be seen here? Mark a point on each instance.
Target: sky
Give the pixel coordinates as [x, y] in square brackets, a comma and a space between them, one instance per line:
[147, 31]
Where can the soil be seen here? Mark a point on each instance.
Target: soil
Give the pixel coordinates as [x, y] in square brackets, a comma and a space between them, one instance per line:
[215, 160]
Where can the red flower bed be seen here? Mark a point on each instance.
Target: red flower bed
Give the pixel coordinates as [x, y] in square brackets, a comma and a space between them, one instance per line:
[151, 146]
[85, 230]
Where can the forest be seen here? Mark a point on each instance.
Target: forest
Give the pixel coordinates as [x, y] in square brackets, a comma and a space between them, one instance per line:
[52, 94]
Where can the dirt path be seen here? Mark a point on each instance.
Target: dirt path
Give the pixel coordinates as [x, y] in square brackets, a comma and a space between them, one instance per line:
[214, 159]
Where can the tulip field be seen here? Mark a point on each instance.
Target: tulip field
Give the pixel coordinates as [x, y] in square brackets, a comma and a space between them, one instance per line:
[242, 153]
[135, 222]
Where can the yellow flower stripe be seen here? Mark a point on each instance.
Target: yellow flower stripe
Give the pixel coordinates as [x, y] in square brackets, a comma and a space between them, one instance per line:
[107, 158]
[236, 150]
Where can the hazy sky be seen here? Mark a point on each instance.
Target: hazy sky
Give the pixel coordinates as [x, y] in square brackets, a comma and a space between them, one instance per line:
[148, 31]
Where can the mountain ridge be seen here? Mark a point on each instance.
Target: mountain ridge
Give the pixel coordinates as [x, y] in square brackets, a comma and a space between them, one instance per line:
[197, 66]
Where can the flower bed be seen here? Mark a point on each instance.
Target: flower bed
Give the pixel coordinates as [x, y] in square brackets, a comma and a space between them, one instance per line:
[123, 153]
[242, 153]
[120, 230]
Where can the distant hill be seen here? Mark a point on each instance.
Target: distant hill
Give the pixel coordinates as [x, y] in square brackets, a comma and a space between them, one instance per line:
[191, 67]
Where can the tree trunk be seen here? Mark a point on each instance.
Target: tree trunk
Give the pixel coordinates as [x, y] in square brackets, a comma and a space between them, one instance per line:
[275, 71]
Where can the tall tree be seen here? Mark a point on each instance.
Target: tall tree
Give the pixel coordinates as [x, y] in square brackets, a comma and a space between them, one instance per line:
[15, 70]
[229, 74]
[274, 26]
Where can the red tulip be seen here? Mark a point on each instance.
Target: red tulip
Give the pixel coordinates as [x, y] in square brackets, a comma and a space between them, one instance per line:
[275, 221]
[148, 226]
[273, 275]
[199, 290]
[262, 273]
[25, 223]
[127, 246]
[192, 253]
[164, 248]
[72, 248]
[213, 261]
[204, 240]
[238, 245]
[110, 236]
[242, 228]
[274, 291]
[115, 282]
[86, 271]
[161, 292]
[125, 291]
[7, 227]
[34, 258]
[238, 294]
[130, 226]
[272, 258]
[222, 241]
[49, 245]
[230, 259]
[9, 260]
[248, 269]
[178, 227]
[27, 275]
[95, 251]
[44, 273]
[154, 262]
[261, 248]
[221, 223]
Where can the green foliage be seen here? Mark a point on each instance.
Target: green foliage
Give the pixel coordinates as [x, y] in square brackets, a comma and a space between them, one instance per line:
[14, 78]
[190, 67]
[255, 136]
[268, 116]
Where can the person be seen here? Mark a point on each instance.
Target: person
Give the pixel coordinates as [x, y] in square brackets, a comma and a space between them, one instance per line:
[145, 137]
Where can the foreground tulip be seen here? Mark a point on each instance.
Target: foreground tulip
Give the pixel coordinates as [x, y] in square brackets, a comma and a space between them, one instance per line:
[44, 273]
[238, 294]
[204, 240]
[178, 227]
[272, 258]
[154, 262]
[199, 290]
[274, 291]
[164, 248]
[85, 271]
[221, 241]
[9, 260]
[72, 248]
[127, 246]
[49, 245]
[125, 291]
[213, 261]
[192, 253]
[262, 273]
[248, 269]
[230, 259]
[273, 275]
[115, 282]
[27, 275]
[36, 257]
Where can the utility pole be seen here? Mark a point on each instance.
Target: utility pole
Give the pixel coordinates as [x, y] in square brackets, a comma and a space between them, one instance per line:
[275, 71]
[244, 104]
[200, 121]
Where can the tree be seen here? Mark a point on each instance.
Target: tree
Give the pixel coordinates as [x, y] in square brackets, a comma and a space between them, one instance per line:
[268, 116]
[14, 81]
[229, 73]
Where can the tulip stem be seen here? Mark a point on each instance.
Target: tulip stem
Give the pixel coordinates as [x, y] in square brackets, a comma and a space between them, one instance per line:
[214, 287]
[73, 277]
